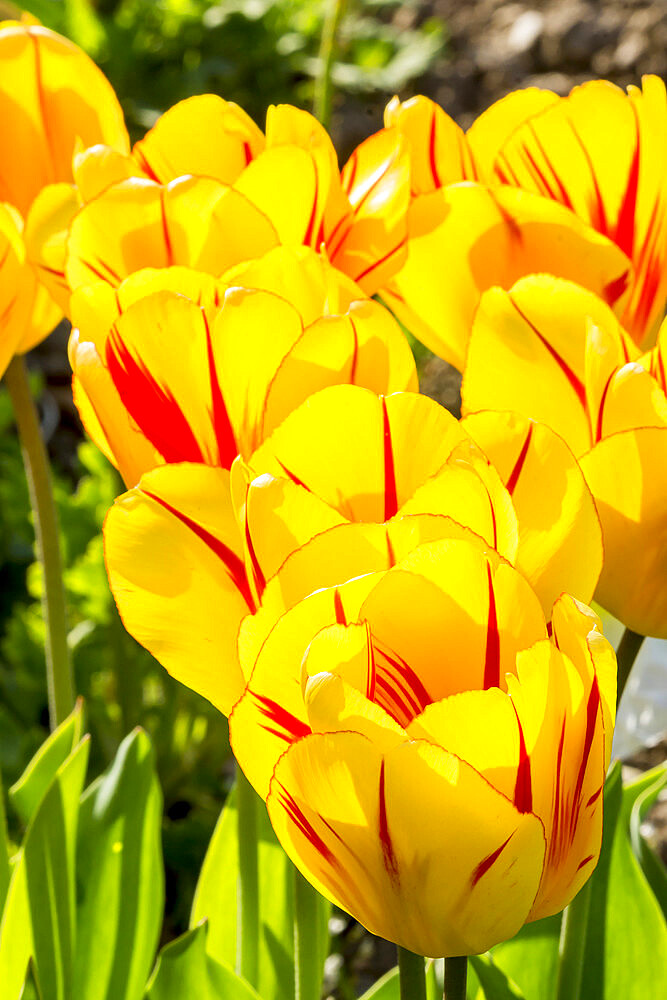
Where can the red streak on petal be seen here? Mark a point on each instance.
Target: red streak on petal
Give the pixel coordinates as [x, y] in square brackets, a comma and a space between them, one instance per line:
[582, 864]
[388, 854]
[232, 562]
[399, 690]
[305, 827]
[592, 707]
[165, 230]
[150, 404]
[431, 152]
[291, 475]
[227, 447]
[355, 353]
[603, 400]
[484, 865]
[390, 499]
[598, 214]
[594, 797]
[492, 656]
[523, 790]
[289, 727]
[371, 672]
[613, 291]
[557, 845]
[339, 609]
[378, 263]
[310, 228]
[247, 152]
[391, 555]
[258, 575]
[575, 382]
[518, 465]
[625, 226]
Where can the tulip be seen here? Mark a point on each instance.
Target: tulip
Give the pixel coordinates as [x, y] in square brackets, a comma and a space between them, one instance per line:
[570, 186]
[432, 752]
[201, 203]
[566, 360]
[348, 484]
[52, 98]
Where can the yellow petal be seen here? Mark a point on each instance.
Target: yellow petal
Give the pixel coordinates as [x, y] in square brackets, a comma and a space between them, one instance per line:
[560, 541]
[204, 136]
[51, 95]
[469, 615]
[467, 238]
[536, 335]
[414, 843]
[488, 133]
[195, 222]
[439, 152]
[170, 544]
[627, 474]
[283, 183]
[17, 286]
[98, 167]
[46, 232]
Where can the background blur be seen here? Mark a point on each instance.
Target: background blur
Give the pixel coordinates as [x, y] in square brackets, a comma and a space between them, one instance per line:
[465, 55]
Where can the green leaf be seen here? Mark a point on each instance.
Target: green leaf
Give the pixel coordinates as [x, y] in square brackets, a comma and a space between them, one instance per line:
[639, 797]
[184, 969]
[386, 988]
[39, 915]
[26, 794]
[120, 876]
[5, 871]
[215, 900]
[626, 942]
[496, 984]
[530, 958]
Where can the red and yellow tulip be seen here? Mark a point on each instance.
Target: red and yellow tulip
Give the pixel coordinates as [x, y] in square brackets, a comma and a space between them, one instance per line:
[52, 99]
[209, 204]
[432, 750]
[574, 186]
[348, 484]
[566, 360]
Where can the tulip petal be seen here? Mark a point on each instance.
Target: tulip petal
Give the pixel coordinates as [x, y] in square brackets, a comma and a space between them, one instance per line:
[17, 287]
[47, 224]
[43, 116]
[540, 325]
[439, 152]
[561, 721]
[627, 474]
[374, 833]
[469, 616]
[170, 544]
[467, 238]
[495, 126]
[205, 136]
[194, 221]
[560, 540]
[296, 213]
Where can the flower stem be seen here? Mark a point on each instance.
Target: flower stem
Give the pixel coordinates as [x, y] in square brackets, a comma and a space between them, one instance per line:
[322, 98]
[247, 933]
[411, 975]
[626, 654]
[573, 945]
[456, 976]
[59, 681]
[308, 958]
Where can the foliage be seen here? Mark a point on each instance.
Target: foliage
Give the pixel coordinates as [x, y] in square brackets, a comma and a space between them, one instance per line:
[254, 52]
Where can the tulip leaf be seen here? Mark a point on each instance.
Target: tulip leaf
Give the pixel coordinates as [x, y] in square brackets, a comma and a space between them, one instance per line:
[26, 794]
[386, 988]
[184, 969]
[39, 916]
[495, 983]
[626, 941]
[5, 870]
[638, 799]
[530, 958]
[120, 876]
[215, 900]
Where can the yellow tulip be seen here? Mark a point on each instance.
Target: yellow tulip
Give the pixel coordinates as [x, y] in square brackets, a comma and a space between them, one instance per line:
[52, 98]
[432, 751]
[556, 353]
[348, 484]
[182, 197]
[598, 154]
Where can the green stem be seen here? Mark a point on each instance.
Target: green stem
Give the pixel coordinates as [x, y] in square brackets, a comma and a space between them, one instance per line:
[456, 977]
[573, 945]
[626, 654]
[308, 959]
[411, 975]
[59, 679]
[322, 98]
[247, 932]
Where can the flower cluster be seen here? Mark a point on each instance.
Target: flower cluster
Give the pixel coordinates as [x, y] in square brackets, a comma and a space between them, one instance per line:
[389, 604]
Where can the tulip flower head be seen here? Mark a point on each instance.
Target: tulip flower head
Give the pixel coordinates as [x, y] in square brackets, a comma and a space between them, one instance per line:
[53, 99]
[571, 186]
[432, 752]
[567, 361]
